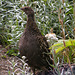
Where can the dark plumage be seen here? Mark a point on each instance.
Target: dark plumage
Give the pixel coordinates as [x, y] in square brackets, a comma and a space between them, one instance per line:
[33, 45]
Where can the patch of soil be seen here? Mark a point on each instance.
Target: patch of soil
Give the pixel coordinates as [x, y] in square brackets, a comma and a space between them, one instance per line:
[16, 66]
[12, 65]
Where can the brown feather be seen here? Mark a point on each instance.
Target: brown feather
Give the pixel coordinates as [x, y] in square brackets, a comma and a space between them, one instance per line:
[33, 44]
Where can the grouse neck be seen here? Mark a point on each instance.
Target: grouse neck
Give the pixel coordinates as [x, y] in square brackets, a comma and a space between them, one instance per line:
[30, 22]
[31, 25]
[31, 17]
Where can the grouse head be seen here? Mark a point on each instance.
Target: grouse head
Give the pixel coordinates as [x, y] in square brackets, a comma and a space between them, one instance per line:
[28, 10]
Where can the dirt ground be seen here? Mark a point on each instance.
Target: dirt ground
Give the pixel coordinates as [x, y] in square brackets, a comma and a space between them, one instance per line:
[16, 66]
[12, 65]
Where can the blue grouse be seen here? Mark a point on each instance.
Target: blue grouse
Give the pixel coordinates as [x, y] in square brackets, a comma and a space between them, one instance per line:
[33, 44]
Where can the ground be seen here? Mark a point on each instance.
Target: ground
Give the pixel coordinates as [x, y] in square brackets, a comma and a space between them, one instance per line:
[12, 65]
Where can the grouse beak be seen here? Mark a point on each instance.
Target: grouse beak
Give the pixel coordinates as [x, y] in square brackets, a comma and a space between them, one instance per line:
[22, 8]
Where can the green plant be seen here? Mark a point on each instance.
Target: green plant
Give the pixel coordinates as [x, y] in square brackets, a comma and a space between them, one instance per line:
[65, 48]
[47, 12]
[18, 67]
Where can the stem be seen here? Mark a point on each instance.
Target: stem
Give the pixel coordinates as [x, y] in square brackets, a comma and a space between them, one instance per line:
[61, 24]
[74, 17]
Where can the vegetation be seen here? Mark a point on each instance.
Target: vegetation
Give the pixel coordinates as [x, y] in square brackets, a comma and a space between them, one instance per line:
[56, 14]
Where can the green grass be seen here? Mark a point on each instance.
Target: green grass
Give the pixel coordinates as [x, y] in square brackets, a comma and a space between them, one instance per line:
[56, 14]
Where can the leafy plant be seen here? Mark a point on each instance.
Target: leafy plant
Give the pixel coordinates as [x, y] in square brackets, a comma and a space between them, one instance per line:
[62, 44]
[65, 48]
[18, 67]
